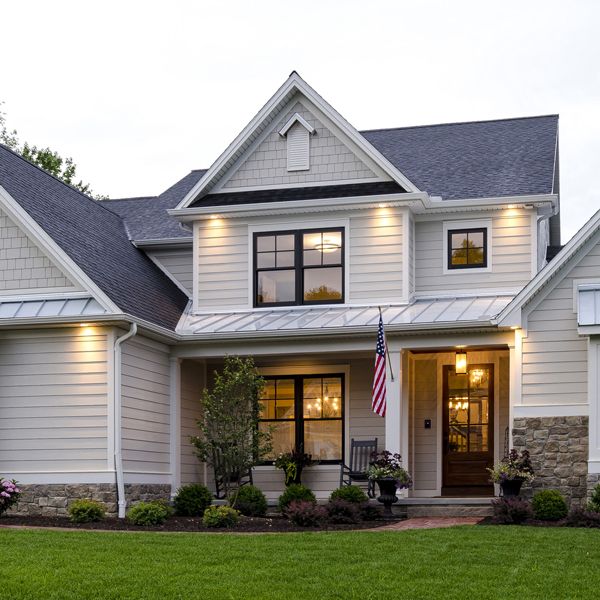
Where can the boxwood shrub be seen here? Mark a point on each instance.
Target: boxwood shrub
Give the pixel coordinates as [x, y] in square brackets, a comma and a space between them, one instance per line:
[298, 492]
[349, 493]
[220, 516]
[149, 513]
[250, 501]
[86, 511]
[549, 505]
[192, 500]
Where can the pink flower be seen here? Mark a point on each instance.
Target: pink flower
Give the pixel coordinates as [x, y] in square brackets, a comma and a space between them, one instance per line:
[5, 494]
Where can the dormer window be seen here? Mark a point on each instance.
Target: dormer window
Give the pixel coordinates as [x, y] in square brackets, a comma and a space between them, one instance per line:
[297, 132]
[467, 248]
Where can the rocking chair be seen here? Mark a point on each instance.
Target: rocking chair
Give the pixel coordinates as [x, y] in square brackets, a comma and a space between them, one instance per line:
[360, 456]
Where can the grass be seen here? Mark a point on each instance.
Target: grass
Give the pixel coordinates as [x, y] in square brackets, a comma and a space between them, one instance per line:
[464, 562]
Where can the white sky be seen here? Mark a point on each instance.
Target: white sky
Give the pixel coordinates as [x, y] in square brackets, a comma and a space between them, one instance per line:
[139, 93]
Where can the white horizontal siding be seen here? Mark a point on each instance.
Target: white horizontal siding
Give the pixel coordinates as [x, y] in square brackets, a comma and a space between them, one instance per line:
[53, 400]
[554, 355]
[145, 406]
[178, 264]
[376, 260]
[223, 263]
[510, 256]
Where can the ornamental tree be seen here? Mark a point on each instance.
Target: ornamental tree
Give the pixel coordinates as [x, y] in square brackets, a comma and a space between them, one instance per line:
[230, 439]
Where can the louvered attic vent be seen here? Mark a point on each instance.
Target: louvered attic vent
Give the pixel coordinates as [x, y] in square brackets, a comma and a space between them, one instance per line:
[297, 131]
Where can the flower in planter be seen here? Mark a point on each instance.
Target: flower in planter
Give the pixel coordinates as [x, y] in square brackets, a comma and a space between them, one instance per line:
[292, 463]
[9, 494]
[514, 467]
[385, 465]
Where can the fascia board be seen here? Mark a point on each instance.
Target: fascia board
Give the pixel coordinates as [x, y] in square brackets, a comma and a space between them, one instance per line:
[32, 229]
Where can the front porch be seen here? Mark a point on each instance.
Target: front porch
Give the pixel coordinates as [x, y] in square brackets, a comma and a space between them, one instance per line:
[419, 422]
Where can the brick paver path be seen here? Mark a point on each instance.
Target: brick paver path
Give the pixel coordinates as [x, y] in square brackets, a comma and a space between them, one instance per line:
[428, 523]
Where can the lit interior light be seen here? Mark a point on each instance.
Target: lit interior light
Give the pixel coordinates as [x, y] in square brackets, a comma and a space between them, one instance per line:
[461, 362]
[327, 246]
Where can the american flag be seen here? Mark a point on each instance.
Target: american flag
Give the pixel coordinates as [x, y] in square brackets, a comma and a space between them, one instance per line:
[379, 403]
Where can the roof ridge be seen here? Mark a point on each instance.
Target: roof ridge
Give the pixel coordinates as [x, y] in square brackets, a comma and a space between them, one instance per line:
[21, 157]
[450, 123]
[126, 199]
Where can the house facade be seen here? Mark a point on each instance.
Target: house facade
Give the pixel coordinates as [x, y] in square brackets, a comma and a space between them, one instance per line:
[114, 315]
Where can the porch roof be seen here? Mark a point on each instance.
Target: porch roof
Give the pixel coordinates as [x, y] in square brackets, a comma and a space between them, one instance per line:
[44, 308]
[433, 312]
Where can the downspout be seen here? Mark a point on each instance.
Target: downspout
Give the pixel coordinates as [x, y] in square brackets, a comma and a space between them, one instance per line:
[122, 503]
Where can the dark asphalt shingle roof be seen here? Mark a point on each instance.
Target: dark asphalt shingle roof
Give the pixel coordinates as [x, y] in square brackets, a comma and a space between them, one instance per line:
[481, 159]
[94, 237]
[303, 193]
[147, 219]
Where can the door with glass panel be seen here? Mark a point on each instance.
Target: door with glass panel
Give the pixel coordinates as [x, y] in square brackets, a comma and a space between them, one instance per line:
[468, 444]
[305, 411]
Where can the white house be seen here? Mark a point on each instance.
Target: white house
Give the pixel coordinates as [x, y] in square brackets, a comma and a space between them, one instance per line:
[115, 314]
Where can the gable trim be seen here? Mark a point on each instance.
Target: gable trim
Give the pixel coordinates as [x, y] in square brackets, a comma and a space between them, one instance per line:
[296, 118]
[511, 315]
[39, 236]
[293, 84]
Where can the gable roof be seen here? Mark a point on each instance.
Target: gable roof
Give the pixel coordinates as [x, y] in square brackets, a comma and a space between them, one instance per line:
[250, 135]
[552, 269]
[146, 218]
[94, 238]
[480, 159]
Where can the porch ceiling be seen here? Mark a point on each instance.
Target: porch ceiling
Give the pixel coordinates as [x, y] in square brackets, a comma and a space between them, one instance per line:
[450, 311]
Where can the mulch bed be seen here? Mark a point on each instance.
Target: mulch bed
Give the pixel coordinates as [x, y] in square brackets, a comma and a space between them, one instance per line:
[191, 524]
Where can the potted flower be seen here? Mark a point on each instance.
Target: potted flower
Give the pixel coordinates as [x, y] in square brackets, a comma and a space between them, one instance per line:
[292, 463]
[9, 494]
[511, 472]
[387, 471]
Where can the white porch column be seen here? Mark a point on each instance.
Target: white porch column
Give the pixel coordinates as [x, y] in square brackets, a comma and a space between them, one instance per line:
[515, 380]
[175, 424]
[393, 415]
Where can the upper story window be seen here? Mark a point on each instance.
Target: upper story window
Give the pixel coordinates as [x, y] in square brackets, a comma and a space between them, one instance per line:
[299, 267]
[467, 248]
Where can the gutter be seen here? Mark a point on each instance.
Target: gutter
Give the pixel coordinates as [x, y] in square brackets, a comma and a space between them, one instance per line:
[122, 502]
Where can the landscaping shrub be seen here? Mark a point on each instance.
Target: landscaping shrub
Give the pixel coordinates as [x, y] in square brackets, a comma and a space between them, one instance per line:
[295, 492]
[594, 505]
[580, 517]
[192, 500]
[149, 513]
[549, 505]
[220, 516]
[250, 501]
[9, 494]
[343, 512]
[349, 493]
[305, 513]
[511, 510]
[86, 511]
[369, 512]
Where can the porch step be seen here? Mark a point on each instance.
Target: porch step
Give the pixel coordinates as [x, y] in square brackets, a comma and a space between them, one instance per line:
[444, 507]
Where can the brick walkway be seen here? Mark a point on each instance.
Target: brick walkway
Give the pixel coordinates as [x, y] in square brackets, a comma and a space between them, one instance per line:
[428, 523]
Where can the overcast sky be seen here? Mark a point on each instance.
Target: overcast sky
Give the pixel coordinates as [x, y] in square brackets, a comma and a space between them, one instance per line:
[139, 93]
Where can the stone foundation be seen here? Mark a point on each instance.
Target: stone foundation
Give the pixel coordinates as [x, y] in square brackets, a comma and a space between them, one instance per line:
[559, 454]
[54, 499]
[593, 479]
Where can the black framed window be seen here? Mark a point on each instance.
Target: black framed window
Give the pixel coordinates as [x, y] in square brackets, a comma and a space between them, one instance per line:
[305, 411]
[299, 267]
[467, 248]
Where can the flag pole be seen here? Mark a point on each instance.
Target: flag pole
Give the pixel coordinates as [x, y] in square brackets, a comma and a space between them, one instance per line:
[386, 347]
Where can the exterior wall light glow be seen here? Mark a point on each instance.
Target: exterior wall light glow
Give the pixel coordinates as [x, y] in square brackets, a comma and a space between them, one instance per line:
[461, 362]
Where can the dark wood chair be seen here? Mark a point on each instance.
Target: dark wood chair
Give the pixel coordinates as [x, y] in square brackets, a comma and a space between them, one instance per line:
[220, 472]
[360, 457]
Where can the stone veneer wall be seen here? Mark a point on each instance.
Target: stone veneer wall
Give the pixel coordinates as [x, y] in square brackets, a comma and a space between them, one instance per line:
[559, 454]
[593, 479]
[54, 499]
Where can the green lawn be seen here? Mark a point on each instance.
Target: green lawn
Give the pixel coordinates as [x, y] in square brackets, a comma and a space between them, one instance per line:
[464, 562]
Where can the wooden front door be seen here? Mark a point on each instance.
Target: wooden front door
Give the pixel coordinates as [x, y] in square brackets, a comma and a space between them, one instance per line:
[468, 442]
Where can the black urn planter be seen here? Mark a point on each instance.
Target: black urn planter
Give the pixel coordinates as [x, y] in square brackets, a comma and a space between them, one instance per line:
[511, 487]
[296, 479]
[387, 490]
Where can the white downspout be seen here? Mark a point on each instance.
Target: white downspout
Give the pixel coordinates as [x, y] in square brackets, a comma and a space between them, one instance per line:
[122, 503]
